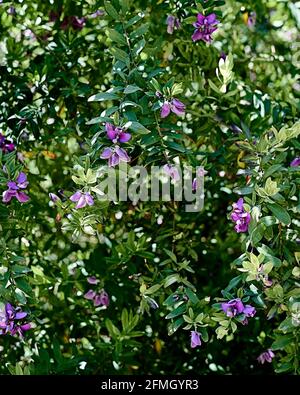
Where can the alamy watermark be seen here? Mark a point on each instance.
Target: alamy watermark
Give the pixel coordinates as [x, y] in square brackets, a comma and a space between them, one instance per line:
[166, 183]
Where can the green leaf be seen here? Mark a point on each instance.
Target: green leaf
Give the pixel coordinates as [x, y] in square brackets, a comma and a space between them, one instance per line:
[138, 47]
[175, 146]
[257, 234]
[102, 96]
[120, 55]
[173, 278]
[174, 326]
[112, 329]
[131, 89]
[136, 127]
[176, 312]
[139, 32]
[24, 286]
[152, 289]
[191, 295]
[134, 20]
[282, 342]
[233, 283]
[124, 319]
[110, 9]
[280, 213]
[171, 255]
[116, 36]
[19, 269]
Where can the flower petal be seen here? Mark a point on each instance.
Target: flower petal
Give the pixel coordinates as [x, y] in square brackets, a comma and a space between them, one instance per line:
[124, 137]
[76, 196]
[22, 197]
[106, 153]
[165, 110]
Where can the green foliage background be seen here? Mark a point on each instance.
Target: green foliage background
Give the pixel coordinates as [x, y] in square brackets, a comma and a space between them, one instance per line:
[241, 126]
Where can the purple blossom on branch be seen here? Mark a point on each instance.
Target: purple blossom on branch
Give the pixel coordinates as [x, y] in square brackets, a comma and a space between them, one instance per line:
[99, 299]
[14, 189]
[92, 280]
[115, 155]
[235, 307]
[175, 105]
[82, 199]
[9, 321]
[53, 197]
[172, 23]
[240, 216]
[6, 145]
[251, 20]
[97, 13]
[295, 162]
[195, 339]
[116, 134]
[205, 26]
[266, 356]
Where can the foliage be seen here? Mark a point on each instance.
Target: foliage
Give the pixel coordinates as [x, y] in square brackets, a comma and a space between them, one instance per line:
[70, 67]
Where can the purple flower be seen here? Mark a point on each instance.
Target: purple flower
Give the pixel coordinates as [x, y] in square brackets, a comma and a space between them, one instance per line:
[90, 295]
[251, 19]
[97, 13]
[249, 311]
[104, 298]
[8, 317]
[172, 171]
[205, 26]
[99, 299]
[82, 199]
[115, 156]
[266, 356]
[233, 307]
[29, 34]
[172, 23]
[6, 145]
[53, 197]
[116, 134]
[92, 280]
[195, 339]
[223, 55]
[240, 216]
[175, 105]
[295, 162]
[14, 189]
[11, 10]
[77, 23]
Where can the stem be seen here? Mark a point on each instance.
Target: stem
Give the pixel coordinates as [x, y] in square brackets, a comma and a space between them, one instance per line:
[161, 137]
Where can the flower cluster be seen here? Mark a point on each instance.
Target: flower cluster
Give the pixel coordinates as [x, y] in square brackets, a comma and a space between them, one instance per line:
[6, 145]
[82, 198]
[266, 356]
[205, 26]
[174, 105]
[14, 189]
[99, 298]
[236, 308]
[240, 216]
[116, 154]
[9, 321]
